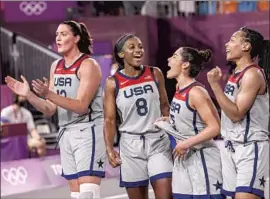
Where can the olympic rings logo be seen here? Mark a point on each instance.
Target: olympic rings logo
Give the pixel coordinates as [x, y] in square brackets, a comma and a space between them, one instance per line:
[15, 175]
[33, 7]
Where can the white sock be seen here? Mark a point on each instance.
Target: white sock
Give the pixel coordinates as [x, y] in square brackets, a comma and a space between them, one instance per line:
[89, 191]
[74, 195]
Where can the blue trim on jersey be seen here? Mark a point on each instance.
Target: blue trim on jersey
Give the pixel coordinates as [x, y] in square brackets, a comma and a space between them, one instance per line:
[93, 147]
[75, 62]
[194, 122]
[254, 166]
[188, 86]
[84, 56]
[142, 183]
[172, 141]
[243, 72]
[187, 104]
[257, 192]
[116, 85]
[187, 196]
[154, 77]
[136, 77]
[160, 176]
[205, 173]
[247, 127]
[91, 173]
[120, 164]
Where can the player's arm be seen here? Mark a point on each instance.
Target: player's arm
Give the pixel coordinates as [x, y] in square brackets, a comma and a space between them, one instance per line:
[109, 113]
[44, 106]
[164, 103]
[200, 100]
[251, 83]
[110, 122]
[90, 76]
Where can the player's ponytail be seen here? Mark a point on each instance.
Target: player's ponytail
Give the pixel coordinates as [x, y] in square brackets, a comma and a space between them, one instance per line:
[85, 43]
[118, 48]
[196, 59]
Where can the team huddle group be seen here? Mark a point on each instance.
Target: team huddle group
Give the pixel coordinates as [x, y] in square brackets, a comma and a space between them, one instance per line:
[169, 145]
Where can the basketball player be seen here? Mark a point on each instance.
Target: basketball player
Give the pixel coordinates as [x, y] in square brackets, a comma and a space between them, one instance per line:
[245, 115]
[138, 94]
[197, 164]
[74, 90]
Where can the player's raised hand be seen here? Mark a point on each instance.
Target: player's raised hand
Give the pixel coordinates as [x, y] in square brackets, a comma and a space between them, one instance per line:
[18, 87]
[41, 88]
[114, 158]
[214, 75]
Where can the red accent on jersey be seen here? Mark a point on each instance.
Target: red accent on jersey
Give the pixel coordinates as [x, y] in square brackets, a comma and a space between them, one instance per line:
[235, 78]
[182, 94]
[61, 69]
[125, 82]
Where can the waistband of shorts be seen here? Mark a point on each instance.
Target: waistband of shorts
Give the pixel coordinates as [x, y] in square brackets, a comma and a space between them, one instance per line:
[79, 126]
[206, 145]
[130, 135]
[235, 143]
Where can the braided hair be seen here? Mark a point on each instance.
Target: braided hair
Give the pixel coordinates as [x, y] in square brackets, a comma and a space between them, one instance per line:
[260, 48]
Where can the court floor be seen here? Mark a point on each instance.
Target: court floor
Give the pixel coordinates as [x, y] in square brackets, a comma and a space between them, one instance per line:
[109, 190]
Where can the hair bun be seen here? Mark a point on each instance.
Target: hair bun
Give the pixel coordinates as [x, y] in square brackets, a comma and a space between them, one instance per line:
[205, 55]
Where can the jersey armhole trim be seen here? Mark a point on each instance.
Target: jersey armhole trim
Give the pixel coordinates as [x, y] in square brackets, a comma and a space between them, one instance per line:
[153, 76]
[116, 86]
[187, 96]
[57, 65]
[80, 60]
[187, 103]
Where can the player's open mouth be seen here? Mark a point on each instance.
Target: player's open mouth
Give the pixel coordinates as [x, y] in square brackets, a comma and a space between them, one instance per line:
[137, 57]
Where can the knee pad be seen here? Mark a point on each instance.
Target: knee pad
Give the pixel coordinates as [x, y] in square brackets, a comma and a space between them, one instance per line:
[89, 191]
[74, 195]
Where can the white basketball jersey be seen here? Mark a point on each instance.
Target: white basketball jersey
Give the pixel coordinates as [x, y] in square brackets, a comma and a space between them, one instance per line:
[187, 122]
[254, 126]
[137, 100]
[66, 83]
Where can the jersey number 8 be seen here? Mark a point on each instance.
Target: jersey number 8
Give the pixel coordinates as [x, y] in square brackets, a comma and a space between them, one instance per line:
[141, 105]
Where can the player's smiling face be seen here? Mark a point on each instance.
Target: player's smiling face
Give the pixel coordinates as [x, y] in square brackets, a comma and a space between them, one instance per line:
[236, 46]
[65, 39]
[175, 62]
[133, 52]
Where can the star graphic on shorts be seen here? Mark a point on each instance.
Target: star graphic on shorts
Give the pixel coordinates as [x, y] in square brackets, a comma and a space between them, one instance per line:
[262, 181]
[218, 185]
[100, 164]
